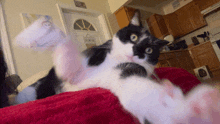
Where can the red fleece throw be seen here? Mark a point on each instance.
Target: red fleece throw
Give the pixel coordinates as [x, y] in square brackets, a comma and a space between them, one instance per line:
[178, 77]
[90, 106]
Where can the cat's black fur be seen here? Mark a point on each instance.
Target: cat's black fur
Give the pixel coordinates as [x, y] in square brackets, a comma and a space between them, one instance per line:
[129, 69]
[97, 54]
[48, 85]
[3, 88]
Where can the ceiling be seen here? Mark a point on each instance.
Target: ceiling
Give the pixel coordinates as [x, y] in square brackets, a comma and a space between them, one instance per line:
[148, 7]
[148, 3]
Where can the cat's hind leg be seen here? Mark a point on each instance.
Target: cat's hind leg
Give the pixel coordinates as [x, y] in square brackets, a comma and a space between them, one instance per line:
[149, 101]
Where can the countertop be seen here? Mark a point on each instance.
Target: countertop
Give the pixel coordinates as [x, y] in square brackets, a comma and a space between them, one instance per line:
[189, 48]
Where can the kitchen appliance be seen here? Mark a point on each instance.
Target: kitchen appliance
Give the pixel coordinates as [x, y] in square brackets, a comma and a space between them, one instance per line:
[214, 39]
[203, 73]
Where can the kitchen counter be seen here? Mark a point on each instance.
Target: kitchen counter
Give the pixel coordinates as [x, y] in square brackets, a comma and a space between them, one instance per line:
[191, 58]
[189, 48]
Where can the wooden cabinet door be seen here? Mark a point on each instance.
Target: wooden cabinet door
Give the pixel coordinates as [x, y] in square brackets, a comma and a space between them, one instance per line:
[161, 23]
[153, 26]
[157, 26]
[183, 16]
[123, 16]
[203, 4]
[184, 60]
[204, 54]
[173, 62]
[163, 63]
[173, 25]
[190, 18]
[196, 18]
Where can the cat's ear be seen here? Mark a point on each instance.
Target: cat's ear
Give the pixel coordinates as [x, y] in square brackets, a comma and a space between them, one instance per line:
[204, 102]
[136, 19]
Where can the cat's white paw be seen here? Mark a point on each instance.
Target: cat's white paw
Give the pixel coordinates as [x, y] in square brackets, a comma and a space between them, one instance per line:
[40, 35]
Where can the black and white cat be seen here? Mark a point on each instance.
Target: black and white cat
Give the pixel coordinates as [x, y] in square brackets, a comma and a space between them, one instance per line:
[124, 66]
[133, 50]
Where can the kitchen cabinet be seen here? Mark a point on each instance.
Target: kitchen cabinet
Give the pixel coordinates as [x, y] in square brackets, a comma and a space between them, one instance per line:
[194, 57]
[196, 18]
[184, 20]
[173, 24]
[203, 4]
[190, 18]
[124, 15]
[157, 26]
[204, 54]
[177, 58]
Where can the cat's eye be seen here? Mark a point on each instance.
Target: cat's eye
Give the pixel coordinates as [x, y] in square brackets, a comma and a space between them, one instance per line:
[148, 50]
[134, 37]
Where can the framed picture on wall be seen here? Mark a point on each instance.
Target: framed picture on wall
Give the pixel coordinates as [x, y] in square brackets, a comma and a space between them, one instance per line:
[28, 19]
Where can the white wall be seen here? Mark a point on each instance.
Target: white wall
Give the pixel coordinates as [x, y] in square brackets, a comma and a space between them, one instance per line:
[28, 62]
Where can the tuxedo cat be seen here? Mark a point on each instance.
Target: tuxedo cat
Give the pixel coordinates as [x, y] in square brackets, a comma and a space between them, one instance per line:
[133, 50]
[124, 66]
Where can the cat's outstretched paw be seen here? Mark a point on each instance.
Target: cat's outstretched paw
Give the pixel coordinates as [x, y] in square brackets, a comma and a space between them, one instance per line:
[68, 62]
[151, 101]
[204, 102]
[40, 35]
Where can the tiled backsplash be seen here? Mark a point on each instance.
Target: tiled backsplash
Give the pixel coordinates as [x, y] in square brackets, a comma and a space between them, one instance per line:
[213, 20]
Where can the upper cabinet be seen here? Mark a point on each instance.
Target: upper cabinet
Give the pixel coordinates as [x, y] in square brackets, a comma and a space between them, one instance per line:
[181, 22]
[157, 26]
[124, 15]
[203, 4]
[173, 24]
[190, 18]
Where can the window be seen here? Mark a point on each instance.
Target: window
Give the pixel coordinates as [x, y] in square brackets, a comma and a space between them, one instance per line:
[82, 24]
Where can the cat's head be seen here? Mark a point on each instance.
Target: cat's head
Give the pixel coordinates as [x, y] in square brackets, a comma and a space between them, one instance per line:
[135, 43]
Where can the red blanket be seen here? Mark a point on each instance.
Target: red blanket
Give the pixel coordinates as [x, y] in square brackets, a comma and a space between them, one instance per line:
[91, 106]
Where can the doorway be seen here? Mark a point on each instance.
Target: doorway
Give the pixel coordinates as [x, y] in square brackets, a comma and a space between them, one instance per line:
[88, 26]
